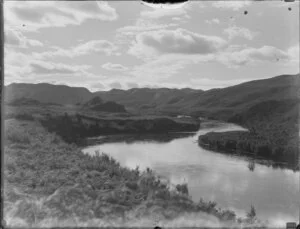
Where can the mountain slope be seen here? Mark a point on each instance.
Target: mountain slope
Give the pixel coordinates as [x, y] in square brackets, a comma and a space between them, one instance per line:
[97, 104]
[240, 97]
[47, 93]
[215, 103]
[146, 98]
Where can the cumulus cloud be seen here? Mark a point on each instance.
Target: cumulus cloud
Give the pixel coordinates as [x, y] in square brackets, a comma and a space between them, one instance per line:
[235, 31]
[97, 86]
[166, 66]
[114, 67]
[179, 41]
[115, 85]
[25, 66]
[294, 52]
[213, 21]
[95, 46]
[15, 38]
[41, 14]
[231, 5]
[102, 47]
[48, 68]
[143, 25]
[132, 85]
[236, 58]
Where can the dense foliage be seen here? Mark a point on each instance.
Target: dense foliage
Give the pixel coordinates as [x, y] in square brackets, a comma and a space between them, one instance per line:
[75, 128]
[49, 182]
[273, 132]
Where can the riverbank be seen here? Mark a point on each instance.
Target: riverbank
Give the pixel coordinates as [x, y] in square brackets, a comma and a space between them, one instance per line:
[247, 144]
[75, 125]
[48, 182]
[273, 133]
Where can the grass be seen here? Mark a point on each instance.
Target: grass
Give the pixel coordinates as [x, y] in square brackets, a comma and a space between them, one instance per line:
[48, 182]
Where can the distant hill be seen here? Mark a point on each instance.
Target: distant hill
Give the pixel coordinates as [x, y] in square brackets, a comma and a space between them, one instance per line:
[47, 93]
[223, 103]
[148, 99]
[97, 104]
[215, 103]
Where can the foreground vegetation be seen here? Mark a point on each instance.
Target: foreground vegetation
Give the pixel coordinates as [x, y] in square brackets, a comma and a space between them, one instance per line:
[48, 182]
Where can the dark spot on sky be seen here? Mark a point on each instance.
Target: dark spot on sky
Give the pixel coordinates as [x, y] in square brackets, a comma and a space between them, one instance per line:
[245, 12]
[23, 25]
[290, 8]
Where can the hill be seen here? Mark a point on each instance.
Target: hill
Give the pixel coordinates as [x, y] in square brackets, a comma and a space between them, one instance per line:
[221, 103]
[147, 100]
[47, 93]
[214, 103]
[97, 104]
[269, 109]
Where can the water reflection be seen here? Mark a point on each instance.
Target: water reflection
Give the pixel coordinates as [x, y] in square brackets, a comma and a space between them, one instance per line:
[251, 165]
[132, 138]
[233, 181]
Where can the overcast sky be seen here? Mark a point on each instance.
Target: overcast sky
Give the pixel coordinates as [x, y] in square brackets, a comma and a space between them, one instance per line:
[103, 45]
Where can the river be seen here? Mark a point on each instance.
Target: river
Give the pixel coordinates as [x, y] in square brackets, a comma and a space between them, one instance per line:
[231, 181]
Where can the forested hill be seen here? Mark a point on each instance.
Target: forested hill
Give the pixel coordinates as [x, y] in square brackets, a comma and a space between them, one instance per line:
[216, 103]
[47, 93]
[272, 116]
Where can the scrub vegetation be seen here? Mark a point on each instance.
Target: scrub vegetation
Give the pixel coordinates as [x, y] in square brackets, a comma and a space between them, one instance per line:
[48, 182]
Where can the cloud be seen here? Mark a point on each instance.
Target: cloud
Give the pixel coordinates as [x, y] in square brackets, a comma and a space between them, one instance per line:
[179, 41]
[15, 38]
[231, 5]
[143, 25]
[96, 46]
[235, 31]
[114, 67]
[41, 14]
[124, 34]
[102, 47]
[98, 86]
[48, 68]
[132, 85]
[115, 85]
[166, 66]
[213, 21]
[293, 52]
[26, 67]
[236, 58]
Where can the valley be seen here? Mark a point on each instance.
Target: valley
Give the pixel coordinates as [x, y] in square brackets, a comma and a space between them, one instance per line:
[55, 136]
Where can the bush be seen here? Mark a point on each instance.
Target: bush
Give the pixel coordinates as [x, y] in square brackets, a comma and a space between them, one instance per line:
[182, 188]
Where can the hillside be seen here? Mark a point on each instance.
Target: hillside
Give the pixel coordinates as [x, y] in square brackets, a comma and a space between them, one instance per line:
[222, 103]
[97, 104]
[148, 100]
[270, 110]
[47, 93]
[214, 103]
[49, 182]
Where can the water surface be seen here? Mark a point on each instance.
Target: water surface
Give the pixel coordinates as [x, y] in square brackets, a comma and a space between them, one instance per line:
[232, 181]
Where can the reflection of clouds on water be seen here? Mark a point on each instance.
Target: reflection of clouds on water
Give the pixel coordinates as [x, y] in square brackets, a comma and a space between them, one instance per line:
[214, 176]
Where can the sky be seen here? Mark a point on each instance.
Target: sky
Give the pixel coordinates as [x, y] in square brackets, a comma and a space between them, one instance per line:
[126, 44]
